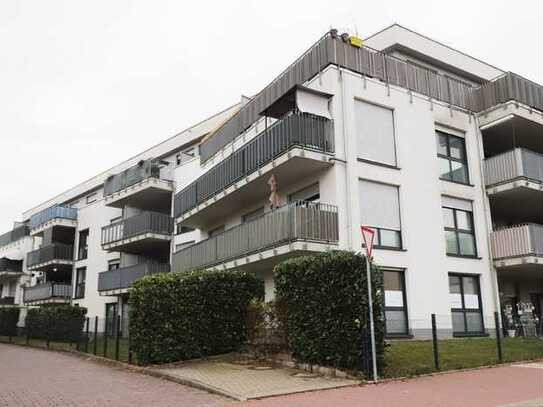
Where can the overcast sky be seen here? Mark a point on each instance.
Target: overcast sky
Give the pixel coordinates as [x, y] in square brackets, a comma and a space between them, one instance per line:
[85, 85]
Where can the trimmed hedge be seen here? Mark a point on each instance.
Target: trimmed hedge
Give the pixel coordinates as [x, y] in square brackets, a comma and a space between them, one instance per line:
[9, 317]
[326, 308]
[177, 316]
[62, 323]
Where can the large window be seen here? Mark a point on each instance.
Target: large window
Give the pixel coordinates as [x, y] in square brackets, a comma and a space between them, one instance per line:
[465, 298]
[252, 215]
[310, 193]
[459, 230]
[83, 250]
[453, 162]
[380, 210]
[80, 278]
[395, 303]
[375, 133]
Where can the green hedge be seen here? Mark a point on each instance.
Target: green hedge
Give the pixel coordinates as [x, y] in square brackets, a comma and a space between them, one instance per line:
[184, 316]
[325, 308]
[62, 323]
[9, 317]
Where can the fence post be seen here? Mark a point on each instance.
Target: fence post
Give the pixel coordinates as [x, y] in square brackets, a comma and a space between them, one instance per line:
[129, 346]
[48, 332]
[95, 333]
[498, 336]
[87, 335]
[434, 342]
[117, 331]
[27, 333]
[105, 337]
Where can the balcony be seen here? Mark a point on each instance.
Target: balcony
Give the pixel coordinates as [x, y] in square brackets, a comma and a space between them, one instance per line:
[53, 257]
[293, 148]
[10, 269]
[116, 282]
[57, 215]
[48, 293]
[294, 229]
[14, 235]
[146, 185]
[7, 301]
[140, 234]
[518, 246]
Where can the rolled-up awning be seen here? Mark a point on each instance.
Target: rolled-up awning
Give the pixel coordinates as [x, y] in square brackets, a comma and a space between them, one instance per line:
[308, 101]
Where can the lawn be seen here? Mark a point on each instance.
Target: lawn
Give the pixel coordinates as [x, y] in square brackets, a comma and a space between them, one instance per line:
[411, 358]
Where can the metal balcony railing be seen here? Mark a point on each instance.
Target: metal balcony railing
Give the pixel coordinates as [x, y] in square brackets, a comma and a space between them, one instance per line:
[299, 220]
[519, 163]
[14, 235]
[145, 222]
[54, 251]
[10, 265]
[310, 132]
[47, 291]
[125, 276]
[517, 241]
[53, 212]
[133, 175]
[7, 301]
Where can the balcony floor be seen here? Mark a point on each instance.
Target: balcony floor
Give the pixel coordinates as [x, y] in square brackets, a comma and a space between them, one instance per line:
[140, 244]
[57, 222]
[288, 168]
[150, 194]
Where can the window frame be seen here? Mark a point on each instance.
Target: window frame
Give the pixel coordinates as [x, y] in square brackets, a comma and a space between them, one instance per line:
[79, 289]
[83, 252]
[378, 231]
[450, 158]
[392, 308]
[457, 231]
[463, 310]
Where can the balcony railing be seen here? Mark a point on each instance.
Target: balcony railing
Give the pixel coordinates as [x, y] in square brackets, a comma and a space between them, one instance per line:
[55, 251]
[53, 212]
[124, 277]
[515, 164]
[7, 300]
[517, 241]
[10, 265]
[296, 221]
[133, 175]
[301, 130]
[47, 291]
[145, 222]
[14, 235]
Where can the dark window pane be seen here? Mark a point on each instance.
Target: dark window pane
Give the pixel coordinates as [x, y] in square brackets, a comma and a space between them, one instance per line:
[456, 145]
[474, 322]
[467, 244]
[390, 238]
[459, 172]
[393, 280]
[463, 220]
[448, 218]
[396, 322]
[458, 321]
[442, 144]
[444, 168]
[452, 244]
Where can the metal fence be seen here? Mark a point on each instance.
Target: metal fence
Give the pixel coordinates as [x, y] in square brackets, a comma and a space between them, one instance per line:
[133, 175]
[14, 235]
[54, 251]
[296, 221]
[519, 163]
[47, 291]
[518, 240]
[303, 130]
[53, 212]
[11, 265]
[124, 277]
[145, 222]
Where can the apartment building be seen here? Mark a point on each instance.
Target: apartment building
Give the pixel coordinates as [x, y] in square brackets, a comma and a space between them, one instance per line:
[433, 149]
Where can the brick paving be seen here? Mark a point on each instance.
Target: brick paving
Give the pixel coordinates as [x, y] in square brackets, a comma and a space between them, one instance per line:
[506, 386]
[37, 378]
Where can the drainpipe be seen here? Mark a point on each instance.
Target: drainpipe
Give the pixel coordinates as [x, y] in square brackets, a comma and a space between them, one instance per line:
[347, 166]
[488, 215]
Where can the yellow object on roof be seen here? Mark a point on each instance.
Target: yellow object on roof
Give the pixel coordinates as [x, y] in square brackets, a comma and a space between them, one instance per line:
[355, 41]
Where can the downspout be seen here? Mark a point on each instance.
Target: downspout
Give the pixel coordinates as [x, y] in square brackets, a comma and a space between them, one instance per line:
[488, 216]
[346, 161]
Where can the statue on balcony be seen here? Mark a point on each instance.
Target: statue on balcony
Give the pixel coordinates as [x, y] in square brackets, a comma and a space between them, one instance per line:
[274, 198]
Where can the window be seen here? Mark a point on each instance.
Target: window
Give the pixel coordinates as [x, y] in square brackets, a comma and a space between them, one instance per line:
[184, 245]
[186, 154]
[395, 303]
[252, 215]
[83, 250]
[375, 133]
[216, 231]
[113, 264]
[459, 231]
[465, 298]
[451, 153]
[91, 198]
[380, 210]
[310, 194]
[183, 229]
[80, 278]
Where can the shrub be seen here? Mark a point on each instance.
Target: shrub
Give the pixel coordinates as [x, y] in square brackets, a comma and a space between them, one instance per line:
[9, 317]
[326, 309]
[184, 316]
[62, 323]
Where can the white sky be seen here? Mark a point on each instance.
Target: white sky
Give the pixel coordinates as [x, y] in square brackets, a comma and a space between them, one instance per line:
[86, 84]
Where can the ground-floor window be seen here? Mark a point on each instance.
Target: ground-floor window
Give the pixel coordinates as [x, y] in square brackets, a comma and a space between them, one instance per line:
[111, 318]
[395, 303]
[465, 298]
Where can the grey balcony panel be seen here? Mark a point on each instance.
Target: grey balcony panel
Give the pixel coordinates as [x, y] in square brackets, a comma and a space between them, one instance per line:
[508, 87]
[55, 251]
[14, 235]
[302, 130]
[517, 241]
[124, 277]
[47, 291]
[145, 222]
[133, 175]
[53, 212]
[519, 163]
[10, 265]
[305, 221]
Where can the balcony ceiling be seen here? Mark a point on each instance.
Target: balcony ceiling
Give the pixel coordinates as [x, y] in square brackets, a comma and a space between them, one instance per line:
[152, 247]
[515, 132]
[524, 272]
[149, 197]
[518, 205]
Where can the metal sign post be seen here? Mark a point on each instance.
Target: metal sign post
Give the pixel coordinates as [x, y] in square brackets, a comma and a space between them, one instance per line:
[368, 235]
